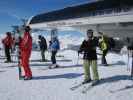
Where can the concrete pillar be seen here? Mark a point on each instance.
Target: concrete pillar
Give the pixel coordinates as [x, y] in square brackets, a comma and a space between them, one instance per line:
[54, 33]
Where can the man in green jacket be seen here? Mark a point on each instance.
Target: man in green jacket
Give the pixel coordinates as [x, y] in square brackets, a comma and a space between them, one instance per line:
[104, 47]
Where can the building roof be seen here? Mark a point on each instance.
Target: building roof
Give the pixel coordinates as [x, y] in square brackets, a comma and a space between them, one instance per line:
[79, 11]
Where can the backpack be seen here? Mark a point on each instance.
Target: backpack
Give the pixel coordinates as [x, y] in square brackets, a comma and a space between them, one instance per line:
[111, 43]
[57, 45]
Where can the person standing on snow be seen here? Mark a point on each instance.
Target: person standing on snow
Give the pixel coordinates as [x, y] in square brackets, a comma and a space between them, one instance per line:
[104, 47]
[88, 47]
[43, 46]
[8, 43]
[25, 52]
[54, 47]
[130, 49]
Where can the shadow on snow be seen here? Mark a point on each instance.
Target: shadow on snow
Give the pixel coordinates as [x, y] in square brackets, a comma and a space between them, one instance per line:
[67, 76]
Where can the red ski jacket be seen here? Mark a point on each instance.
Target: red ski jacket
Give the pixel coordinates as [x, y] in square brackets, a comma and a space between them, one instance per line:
[26, 44]
[8, 41]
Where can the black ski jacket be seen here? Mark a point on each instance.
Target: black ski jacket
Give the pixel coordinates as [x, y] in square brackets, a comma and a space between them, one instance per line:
[43, 43]
[88, 47]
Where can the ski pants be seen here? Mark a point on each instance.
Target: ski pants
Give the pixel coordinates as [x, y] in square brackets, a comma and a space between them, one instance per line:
[53, 57]
[25, 64]
[93, 64]
[43, 54]
[104, 57]
[132, 66]
[7, 53]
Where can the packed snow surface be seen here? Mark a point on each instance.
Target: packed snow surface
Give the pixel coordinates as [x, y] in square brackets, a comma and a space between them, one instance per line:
[55, 84]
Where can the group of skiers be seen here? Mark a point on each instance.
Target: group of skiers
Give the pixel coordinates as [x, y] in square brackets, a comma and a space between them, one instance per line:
[25, 48]
[54, 46]
[88, 48]
[24, 43]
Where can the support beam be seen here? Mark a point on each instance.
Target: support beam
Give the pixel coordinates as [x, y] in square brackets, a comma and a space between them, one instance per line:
[54, 33]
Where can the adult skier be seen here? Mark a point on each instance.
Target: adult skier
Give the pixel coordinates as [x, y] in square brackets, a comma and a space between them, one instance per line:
[54, 47]
[128, 44]
[88, 47]
[8, 43]
[104, 47]
[25, 51]
[43, 46]
[130, 48]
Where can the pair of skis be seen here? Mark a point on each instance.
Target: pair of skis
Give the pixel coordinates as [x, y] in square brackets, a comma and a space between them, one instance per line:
[86, 87]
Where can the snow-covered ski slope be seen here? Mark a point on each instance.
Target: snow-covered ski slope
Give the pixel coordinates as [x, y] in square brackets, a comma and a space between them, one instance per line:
[55, 84]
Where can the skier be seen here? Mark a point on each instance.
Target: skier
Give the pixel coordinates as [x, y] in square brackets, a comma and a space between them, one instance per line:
[25, 51]
[43, 46]
[54, 47]
[128, 44]
[130, 48]
[104, 47]
[88, 47]
[8, 42]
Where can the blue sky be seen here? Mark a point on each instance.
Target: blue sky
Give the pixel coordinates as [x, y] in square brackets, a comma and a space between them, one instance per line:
[11, 11]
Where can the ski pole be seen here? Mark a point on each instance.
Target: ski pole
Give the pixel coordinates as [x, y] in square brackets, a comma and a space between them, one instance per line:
[78, 59]
[127, 60]
[132, 66]
[19, 67]
[128, 67]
